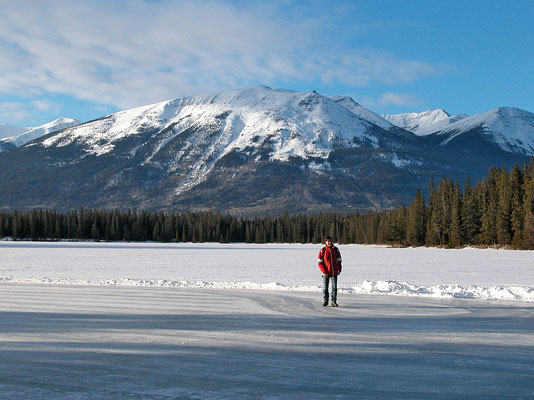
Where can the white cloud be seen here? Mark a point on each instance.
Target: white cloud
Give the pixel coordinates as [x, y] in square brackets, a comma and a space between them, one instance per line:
[44, 105]
[128, 53]
[390, 99]
[14, 111]
[20, 112]
[399, 99]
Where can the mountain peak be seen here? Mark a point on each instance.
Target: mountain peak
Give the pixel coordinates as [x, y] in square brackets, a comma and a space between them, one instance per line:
[437, 112]
[26, 135]
[256, 148]
[424, 123]
[510, 128]
[257, 123]
[350, 104]
[302, 123]
[8, 130]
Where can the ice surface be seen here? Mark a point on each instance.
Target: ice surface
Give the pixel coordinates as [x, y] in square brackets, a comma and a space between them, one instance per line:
[66, 342]
[272, 338]
[422, 272]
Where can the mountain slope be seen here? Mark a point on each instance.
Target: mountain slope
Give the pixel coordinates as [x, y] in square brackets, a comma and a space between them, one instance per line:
[7, 130]
[508, 128]
[250, 150]
[362, 112]
[302, 124]
[424, 123]
[258, 123]
[21, 136]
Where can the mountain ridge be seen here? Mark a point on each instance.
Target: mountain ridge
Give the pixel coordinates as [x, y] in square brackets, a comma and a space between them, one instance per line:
[21, 136]
[424, 123]
[253, 150]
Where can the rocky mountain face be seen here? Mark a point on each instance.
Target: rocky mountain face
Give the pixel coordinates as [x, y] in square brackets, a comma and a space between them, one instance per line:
[250, 151]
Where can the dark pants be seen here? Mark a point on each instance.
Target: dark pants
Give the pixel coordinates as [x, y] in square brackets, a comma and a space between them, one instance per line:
[326, 280]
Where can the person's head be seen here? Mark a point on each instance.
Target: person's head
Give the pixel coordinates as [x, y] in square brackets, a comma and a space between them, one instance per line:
[329, 241]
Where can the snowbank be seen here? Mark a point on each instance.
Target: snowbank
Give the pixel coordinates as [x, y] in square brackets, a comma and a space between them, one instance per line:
[392, 288]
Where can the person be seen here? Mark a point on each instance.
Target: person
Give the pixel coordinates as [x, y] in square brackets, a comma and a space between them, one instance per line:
[330, 265]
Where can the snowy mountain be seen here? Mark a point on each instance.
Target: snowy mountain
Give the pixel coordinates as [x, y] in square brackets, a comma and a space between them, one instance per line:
[249, 151]
[258, 123]
[295, 124]
[6, 130]
[511, 129]
[424, 123]
[19, 136]
[363, 112]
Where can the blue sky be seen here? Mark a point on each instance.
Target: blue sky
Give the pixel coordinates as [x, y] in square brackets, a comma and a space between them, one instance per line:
[86, 59]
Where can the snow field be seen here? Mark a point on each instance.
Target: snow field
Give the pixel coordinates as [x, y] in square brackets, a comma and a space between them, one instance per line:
[421, 272]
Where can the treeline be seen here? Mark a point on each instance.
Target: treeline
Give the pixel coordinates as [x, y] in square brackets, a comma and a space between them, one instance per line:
[131, 225]
[497, 211]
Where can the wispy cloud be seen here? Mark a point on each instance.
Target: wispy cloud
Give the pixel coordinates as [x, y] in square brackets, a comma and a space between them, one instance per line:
[399, 99]
[22, 112]
[390, 99]
[14, 111]
[44, 105]
[128, 53]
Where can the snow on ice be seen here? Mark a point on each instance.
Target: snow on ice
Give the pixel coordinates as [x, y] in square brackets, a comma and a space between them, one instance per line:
[420, 272]
[214, 321]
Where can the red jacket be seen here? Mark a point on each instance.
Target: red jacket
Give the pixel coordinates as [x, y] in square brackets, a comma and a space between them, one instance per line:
[330, 261]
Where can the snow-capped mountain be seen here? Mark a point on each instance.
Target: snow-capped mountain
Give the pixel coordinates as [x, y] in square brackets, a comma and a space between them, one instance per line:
[20, 136]
[249, 151]
[424, 123]
[259, 123]
[359, 110]
[7, 130]
[511, 129]
[295, 124]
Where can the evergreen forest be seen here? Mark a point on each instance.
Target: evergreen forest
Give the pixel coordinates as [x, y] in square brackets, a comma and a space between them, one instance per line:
[496, 211]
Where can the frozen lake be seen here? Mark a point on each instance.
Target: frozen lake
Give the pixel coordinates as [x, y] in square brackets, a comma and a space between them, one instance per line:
[77, 320]
[87, 342]
[431, 272]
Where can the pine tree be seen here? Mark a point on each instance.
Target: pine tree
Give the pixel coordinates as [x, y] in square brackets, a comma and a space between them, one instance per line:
[415, 230]
[440, 219]
[456, 234]
[471, 214]
[517, 216]
[504, 213]
[395, 226]
[528, 209]
[432, 232]
[95, 232]
[490, 208]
